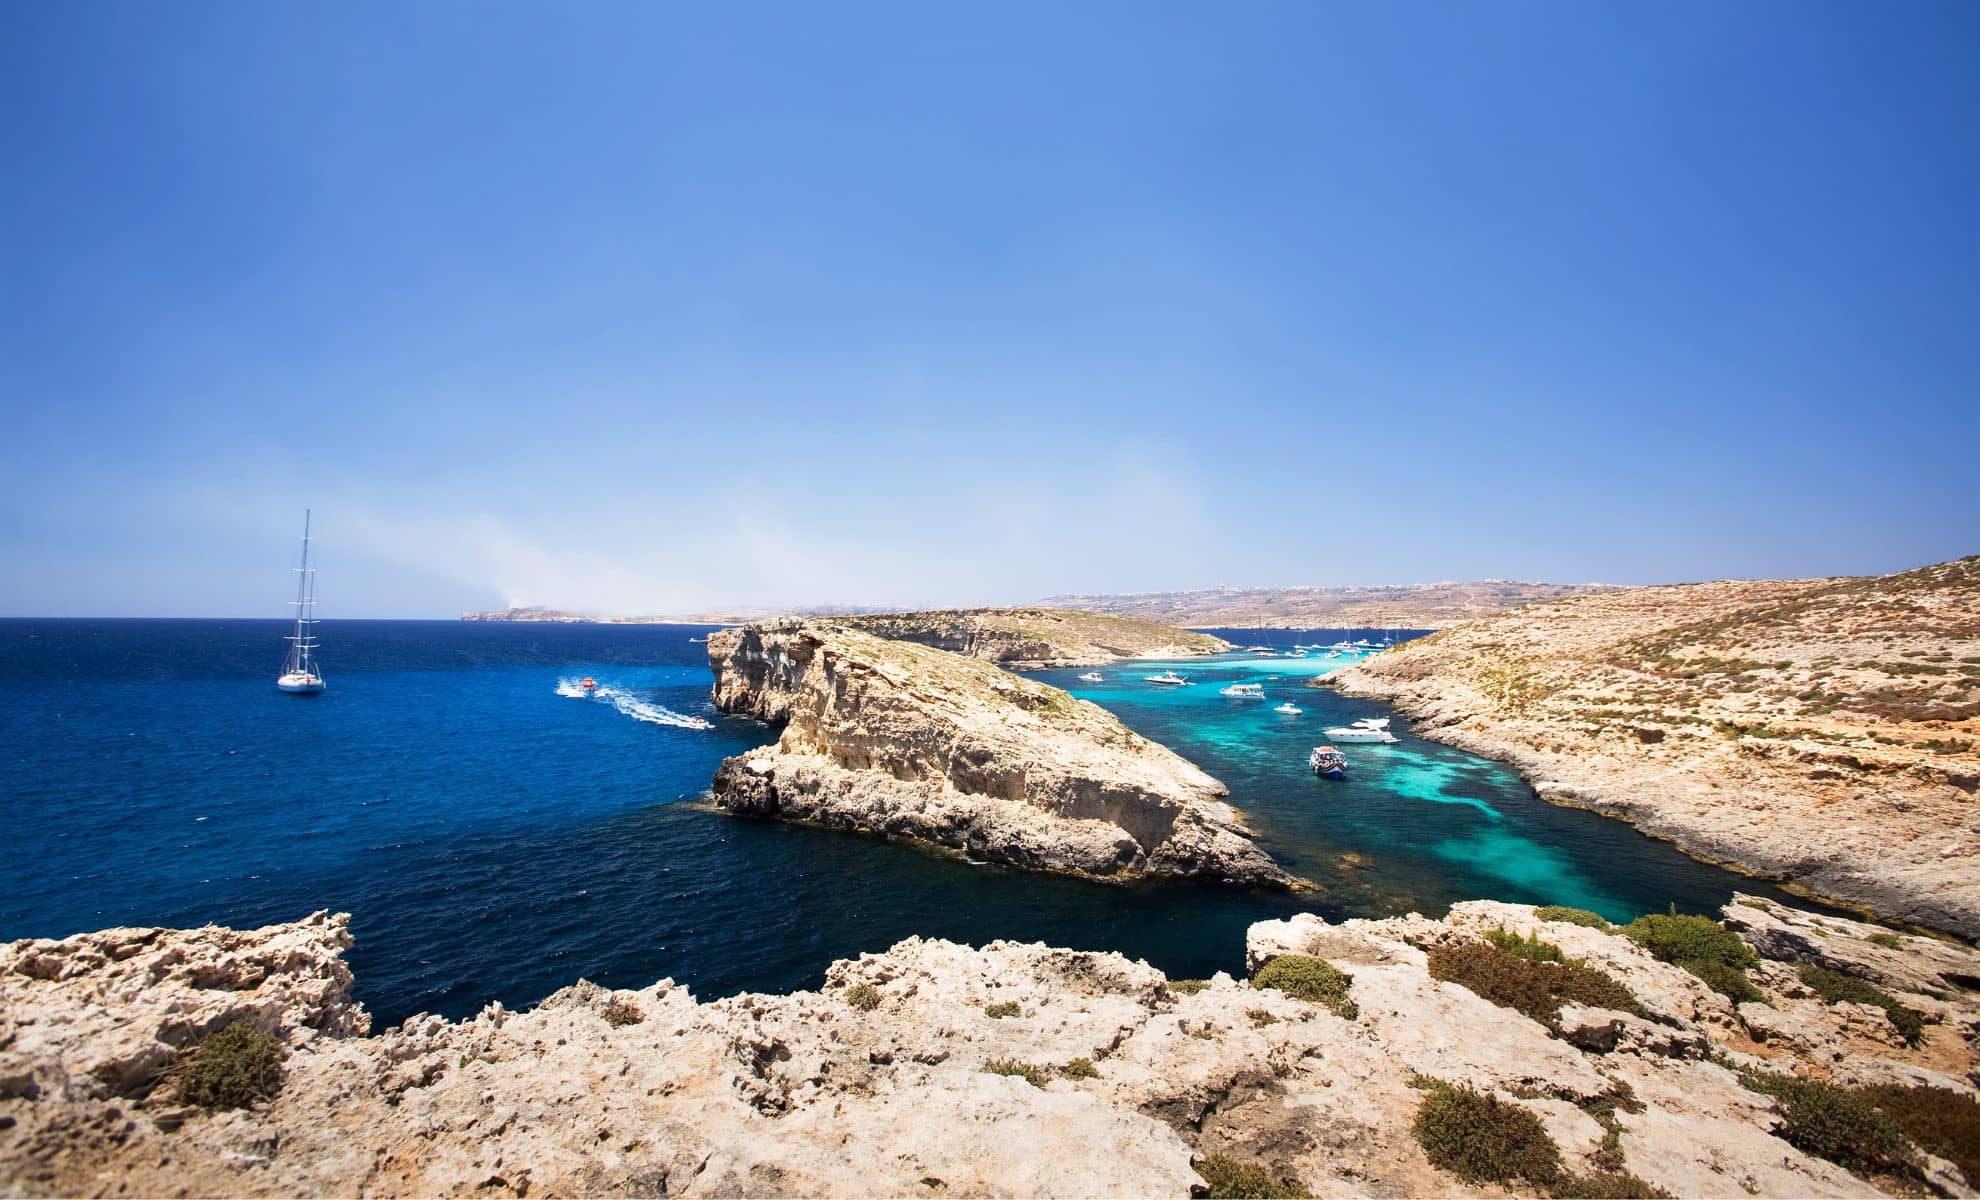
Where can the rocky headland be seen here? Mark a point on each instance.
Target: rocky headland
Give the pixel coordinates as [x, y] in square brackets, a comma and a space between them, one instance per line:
[1824, 731]
[903, 740]
[1502, 1050]
[1040, 637]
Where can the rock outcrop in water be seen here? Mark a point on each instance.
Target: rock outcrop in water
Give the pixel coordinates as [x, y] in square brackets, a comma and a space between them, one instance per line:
[1826, 731]
[902, 740]
[1011, 1070]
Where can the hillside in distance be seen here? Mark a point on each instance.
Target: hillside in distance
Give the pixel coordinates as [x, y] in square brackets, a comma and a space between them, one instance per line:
[1401, 606]
[1823, 730]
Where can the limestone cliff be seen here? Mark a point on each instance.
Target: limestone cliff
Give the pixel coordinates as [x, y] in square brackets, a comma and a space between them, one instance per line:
[904, 740]
[1039, 637]
[937, 1069]
[1823, 730]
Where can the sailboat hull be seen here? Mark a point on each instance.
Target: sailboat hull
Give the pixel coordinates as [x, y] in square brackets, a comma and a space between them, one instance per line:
[300, 685]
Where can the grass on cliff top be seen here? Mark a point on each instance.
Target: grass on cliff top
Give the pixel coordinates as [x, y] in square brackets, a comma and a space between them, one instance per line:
[1835, 1123]
[1482, 1139]
[1573, 916]
[232, 1068]
[1231, 1179]
[1835, 987]
[1940, 1120]
[1305, 978]
[1534, 978]
[1701, 946]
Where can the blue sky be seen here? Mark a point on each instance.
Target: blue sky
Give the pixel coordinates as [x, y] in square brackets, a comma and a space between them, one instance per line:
[640, 308]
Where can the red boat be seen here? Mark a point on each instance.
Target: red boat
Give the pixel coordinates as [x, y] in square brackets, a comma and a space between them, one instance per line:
[588, 684]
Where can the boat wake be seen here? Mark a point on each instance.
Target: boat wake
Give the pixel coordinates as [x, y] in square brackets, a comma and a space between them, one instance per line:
[632, 706]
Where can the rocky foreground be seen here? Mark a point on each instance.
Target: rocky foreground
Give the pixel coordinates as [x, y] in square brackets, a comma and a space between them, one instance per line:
[1823, 730]
[902, 740]
[1367, 1060]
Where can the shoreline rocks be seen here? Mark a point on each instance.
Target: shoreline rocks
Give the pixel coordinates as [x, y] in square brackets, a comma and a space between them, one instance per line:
[939, 1069]
[1825, 732]
[901, 740]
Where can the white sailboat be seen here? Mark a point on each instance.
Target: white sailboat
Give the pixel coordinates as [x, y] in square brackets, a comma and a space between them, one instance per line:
[300, 674]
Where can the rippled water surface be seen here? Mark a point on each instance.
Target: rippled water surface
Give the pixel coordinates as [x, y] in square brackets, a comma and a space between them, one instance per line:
[497, 834]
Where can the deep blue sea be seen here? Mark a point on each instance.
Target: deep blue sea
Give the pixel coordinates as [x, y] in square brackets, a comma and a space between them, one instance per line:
[496, 835]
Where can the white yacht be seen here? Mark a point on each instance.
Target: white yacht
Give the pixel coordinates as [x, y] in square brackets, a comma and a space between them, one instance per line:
[1244, 691]
[1289, 708]
[1167, 679]
[300, 674]
[1092, 677]
[1372, 729]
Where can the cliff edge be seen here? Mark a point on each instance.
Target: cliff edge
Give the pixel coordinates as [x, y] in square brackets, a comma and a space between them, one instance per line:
[1826, 731]
[903, 740]
[1389, 1058]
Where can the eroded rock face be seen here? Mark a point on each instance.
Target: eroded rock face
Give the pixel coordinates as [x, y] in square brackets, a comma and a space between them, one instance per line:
[1039, 637]
[893, 1078]
[1822, 730]
[903, 740]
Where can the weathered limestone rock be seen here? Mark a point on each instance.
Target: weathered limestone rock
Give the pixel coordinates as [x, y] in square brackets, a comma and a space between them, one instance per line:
[1822, 730]
[1038, 637]
[894, 1078]
[901, 740]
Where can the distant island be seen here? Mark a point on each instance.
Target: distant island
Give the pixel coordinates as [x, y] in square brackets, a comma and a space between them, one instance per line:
[1403, 606]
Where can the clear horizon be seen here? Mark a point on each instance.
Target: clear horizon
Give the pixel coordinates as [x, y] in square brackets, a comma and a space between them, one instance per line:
[628, 309]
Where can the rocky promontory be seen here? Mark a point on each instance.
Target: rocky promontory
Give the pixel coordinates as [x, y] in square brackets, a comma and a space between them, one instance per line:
[1040, 637]
[1825, 731]
[903, 740]
[1502, 1050]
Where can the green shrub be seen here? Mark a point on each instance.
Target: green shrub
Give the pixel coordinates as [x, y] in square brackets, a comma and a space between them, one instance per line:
[1314, 979]
[1079, 1068]
[231, 1068]
[620, 1012]
[1230, 1179]
[1833, 1123]
[1035, 1076]
[1537, 989]
[1188, 987]
[1483, 1139]
[1573, 916]
[1606, 1185]
[1835, 987]
[1940, 1120]
[863, 996]
[1701, 946]
[1532, 949]
[1009, 1008]
[1889, 941]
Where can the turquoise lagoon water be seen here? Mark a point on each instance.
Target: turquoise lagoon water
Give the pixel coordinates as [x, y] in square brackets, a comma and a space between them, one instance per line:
[496, 836]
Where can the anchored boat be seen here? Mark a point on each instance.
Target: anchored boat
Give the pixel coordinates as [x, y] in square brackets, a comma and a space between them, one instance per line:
[1167, 679]
[1244, 691]
[1091, 677]
[1327, 762]
[300, 675]
[1371, 729]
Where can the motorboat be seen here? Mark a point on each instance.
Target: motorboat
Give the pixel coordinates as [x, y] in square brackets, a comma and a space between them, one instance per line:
[1244, 691]
[1289, 708]
[1372, 729]
[1328, 763]
[1167, 679]
[300, 675]
[587, 685]
[1092, 677]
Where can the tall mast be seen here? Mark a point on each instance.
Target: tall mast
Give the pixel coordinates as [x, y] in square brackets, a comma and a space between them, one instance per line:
[304, 596]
